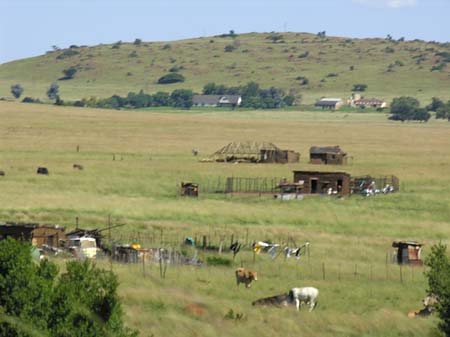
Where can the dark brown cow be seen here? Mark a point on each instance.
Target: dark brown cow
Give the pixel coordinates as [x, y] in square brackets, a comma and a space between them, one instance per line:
[274, 301]
[78, 166]
[42, 170]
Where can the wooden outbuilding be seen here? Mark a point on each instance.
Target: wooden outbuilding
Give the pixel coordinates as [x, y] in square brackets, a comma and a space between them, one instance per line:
[38, 234]
[408, 252]
[315, 182]
[327, 155]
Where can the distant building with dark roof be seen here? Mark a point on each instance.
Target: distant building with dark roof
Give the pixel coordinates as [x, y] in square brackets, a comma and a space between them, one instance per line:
[216, 100]
[327, 155]
[329, 103]
[370, 103]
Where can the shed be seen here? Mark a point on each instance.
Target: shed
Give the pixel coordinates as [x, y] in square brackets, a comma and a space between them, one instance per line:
[328, 155]
[408, 252]
[329, 103]
[315, 182]
[38, 234]
[255, 152]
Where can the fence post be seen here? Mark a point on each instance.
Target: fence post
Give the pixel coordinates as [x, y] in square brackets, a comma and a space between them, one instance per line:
[339, 271]
[401, 273]
[356, 270]
[323, 270]
[387, 267]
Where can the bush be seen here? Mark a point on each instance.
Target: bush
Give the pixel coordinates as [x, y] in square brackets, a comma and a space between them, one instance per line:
[69, 73]
[30, 100]
[171, 78]
[67, 53]
[438, 277]
[137, 42]
[407, 108]
[82, 301]
[218, 261]
[229, 48]
[16, 90]
[359, 87]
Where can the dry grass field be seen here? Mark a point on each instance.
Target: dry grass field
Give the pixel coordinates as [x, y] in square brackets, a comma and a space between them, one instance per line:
[360, 294]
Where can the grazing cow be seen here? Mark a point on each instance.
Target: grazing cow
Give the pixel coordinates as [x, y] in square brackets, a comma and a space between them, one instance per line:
[42, 170]
[78, 166]
[2, 173]
[276, 301]
[245, 276]
[306, 295]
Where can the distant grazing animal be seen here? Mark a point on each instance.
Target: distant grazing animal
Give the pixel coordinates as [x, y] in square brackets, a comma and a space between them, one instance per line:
[245, 276]
[78, 166]
[2, 173]
[42, 170]
[306, 295]
[276, 301]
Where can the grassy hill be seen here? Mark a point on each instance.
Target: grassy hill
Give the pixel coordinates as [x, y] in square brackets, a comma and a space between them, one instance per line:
[331, 64]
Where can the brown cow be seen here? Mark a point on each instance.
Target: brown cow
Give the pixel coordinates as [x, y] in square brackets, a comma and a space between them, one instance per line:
[277, 301]
[245, 276]
[78, 166]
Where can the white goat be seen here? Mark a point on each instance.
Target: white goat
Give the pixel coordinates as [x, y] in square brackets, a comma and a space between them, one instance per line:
[306, 295]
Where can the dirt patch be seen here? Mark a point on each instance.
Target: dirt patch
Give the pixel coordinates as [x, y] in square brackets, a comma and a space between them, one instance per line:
[195, 309]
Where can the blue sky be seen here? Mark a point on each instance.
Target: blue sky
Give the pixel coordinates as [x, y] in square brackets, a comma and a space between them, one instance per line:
[30, 27]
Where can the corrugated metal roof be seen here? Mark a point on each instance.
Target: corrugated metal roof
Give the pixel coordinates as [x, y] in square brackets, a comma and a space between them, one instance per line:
[326, 149]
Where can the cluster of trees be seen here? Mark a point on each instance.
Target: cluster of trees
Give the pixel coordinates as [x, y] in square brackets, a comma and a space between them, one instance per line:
[442, 109]
[35, 300]
[408, 108]
[180, 98]
[252, 95]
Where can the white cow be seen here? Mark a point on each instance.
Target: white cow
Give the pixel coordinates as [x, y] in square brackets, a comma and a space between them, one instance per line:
[306, 295]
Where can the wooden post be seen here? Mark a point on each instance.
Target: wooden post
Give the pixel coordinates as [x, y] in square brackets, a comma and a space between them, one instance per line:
[204, 242]
[143, 263]
[246, 236]
[161, 235]
[387, 267]
[323, 270]
[78, 148]
[401, 273]
[339, 271]
[356, 270]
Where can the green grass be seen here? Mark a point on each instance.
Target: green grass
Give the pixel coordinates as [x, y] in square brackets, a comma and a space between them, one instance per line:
[140, 191]
[104, 71]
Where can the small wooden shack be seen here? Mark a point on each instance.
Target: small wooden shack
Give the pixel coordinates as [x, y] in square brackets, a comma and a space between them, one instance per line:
[408, 252]
[328, 155]
[315, 182]
[37, 234]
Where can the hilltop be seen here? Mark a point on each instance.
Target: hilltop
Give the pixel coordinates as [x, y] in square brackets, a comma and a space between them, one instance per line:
[331, 65]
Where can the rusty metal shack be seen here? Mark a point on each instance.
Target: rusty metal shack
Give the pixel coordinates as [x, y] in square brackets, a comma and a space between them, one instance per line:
[315, 182]
[408, 252]
[37, 234]
[327, 155]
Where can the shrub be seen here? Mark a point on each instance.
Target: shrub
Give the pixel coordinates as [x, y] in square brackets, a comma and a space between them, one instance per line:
[30, 100]
[332, 75]
[389, 50]
[137, 42]
[16, 90]
[69, 73]
[304, 55]
[133, 54]
[229, 48]
[53, 91]
[171, 78]
[359, 87]
[117, 45]
[67, 53]
[166, 47]
[218, 261]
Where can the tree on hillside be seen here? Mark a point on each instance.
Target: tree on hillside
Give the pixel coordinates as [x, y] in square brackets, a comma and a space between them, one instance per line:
[359, 87]
[408, 108]
[53, 91]
[137, 42]
[438, 277]
[171, 78]
[182, 98]
[69, 72]
[16, 90]
[435, 104]
[34, 301]
[443, 111]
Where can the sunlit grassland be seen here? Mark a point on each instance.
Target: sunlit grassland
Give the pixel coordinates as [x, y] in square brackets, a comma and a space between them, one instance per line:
[139, 188]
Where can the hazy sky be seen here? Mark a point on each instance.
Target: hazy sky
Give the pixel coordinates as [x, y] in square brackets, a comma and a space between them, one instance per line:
[31, 27]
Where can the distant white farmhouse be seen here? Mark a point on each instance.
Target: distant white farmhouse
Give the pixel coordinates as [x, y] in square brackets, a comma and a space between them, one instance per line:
[370, 103]
[329, 103]
[216, 100]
